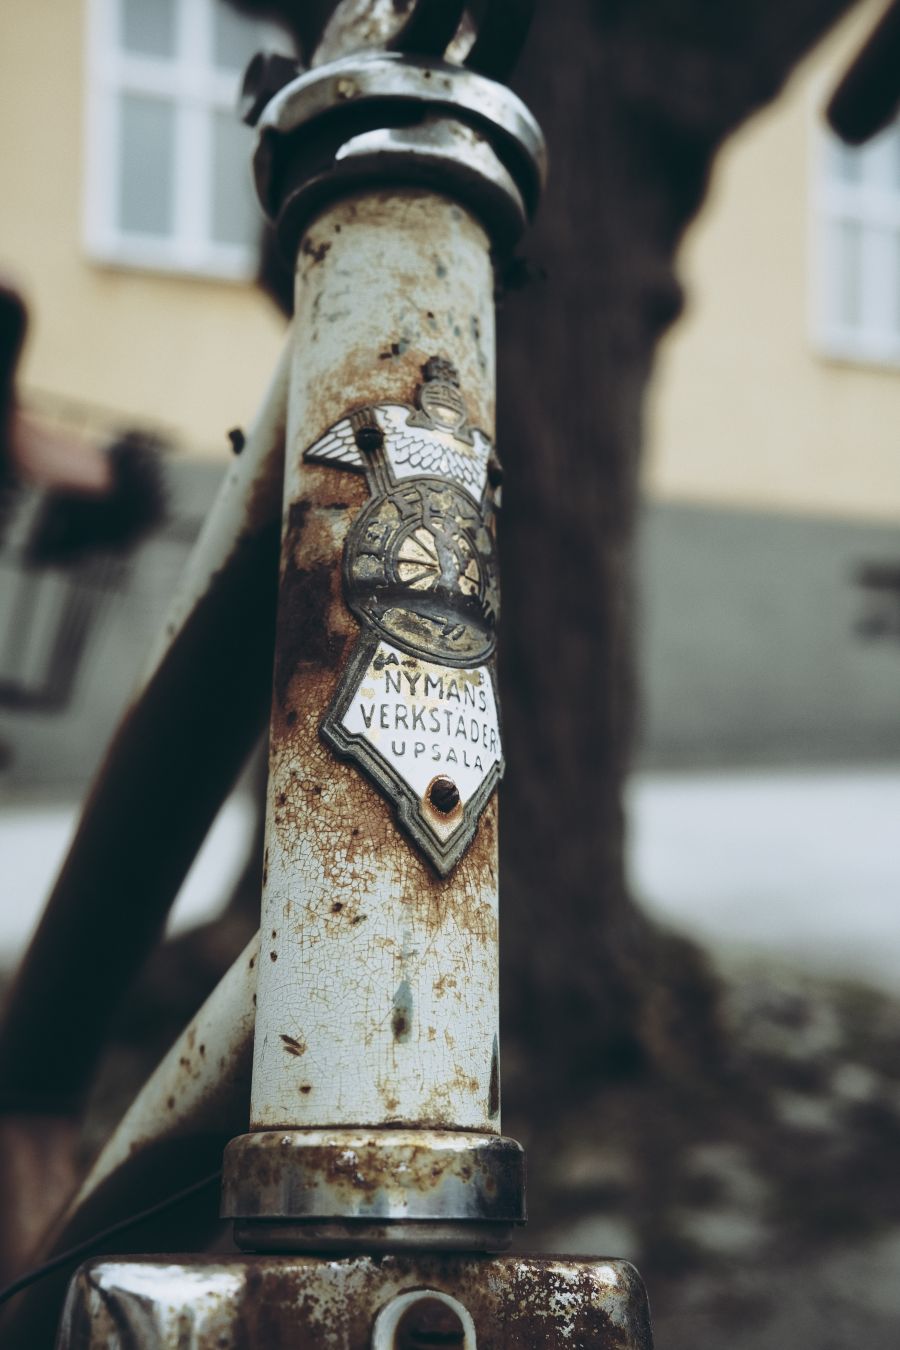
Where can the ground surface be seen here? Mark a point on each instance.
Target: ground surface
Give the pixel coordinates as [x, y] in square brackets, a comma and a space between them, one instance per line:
[762, 1206]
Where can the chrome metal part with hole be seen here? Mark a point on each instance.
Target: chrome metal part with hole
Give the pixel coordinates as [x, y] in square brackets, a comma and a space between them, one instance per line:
[357, 1303]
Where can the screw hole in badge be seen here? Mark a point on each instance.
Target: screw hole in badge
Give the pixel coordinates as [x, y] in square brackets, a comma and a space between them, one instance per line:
[443, 794]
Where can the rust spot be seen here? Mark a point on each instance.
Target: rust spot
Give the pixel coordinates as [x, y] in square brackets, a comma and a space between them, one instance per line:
[316, 251]
[273, 956]
[402, 1012]
[306, 1088]
[336, 907]
[310, 583]
[292, 1045]
[303, 633]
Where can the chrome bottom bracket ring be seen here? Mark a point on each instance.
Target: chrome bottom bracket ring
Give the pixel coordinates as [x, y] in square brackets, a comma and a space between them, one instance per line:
[354, 1190]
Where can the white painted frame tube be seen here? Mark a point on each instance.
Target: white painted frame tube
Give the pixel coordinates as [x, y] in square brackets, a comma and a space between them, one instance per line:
[378, 982]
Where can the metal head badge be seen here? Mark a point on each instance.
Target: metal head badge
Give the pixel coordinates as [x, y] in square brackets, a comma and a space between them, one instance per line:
[416, 707]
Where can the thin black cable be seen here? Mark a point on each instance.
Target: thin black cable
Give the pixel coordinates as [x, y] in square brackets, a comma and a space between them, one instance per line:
[90, 1244]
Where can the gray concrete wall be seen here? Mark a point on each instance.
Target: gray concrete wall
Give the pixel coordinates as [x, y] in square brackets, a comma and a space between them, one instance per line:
[749, 643]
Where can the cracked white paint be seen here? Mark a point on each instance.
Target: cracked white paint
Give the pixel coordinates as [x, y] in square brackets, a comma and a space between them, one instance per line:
[378, 985]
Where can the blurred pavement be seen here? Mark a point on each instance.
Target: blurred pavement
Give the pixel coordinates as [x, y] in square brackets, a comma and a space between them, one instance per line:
[802, 864]
[805, 865]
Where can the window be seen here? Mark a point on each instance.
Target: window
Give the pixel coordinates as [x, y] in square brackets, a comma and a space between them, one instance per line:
[858, 288]
[168, 183]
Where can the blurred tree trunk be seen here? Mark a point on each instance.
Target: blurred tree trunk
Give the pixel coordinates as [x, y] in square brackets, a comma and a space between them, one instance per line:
[634, 96]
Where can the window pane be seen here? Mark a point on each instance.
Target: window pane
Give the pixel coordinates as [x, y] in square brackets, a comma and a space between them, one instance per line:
[146, 165]
[877, 281]
[878, 161]
[148, 27]
[844, 164]
[236, 218]
[848, 282]
[235, 39]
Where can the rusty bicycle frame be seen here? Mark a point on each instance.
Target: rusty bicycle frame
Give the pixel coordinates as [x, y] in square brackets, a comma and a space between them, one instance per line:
[374, 1195]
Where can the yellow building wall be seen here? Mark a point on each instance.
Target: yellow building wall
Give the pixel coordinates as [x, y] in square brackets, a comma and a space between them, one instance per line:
[192, 356]
[744, 412]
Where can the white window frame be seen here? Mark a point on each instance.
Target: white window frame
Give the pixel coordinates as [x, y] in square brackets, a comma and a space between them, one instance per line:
[196, 89]
[868, 204]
